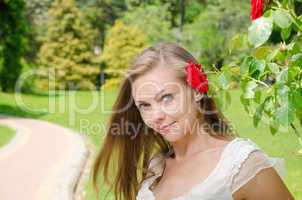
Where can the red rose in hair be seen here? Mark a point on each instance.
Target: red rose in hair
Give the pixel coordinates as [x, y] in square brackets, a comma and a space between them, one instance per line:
[196, 77]
[257, 9]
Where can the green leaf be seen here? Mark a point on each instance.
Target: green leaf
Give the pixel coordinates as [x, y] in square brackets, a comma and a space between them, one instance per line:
[244, 67]
[260, 31]
[273, 127]
[258, 96]
[228, 98]
[267, 13]
[297, 98]
[253, 67]
[262, 52]
[285, 114]
[281, 56]
[269, 106]
[235, 43]
[299, 115]
[256, 68]
[293, 47]
[293, 71]
[258, 115]
[296, 60]
[260, 65]
[273, 67]
[282, 18]
[286, 32]
[249, 90]
[272, 55]
[224, 80]
[282, 77]
[246, 103]
[283, 93]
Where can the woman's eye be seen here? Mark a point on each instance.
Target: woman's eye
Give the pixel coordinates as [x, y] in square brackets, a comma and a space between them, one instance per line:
[142, 106]
[167, 97]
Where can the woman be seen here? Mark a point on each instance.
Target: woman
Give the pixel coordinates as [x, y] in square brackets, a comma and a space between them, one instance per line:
[177, 145]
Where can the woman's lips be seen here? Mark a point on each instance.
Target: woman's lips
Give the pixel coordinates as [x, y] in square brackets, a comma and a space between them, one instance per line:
[166, 127]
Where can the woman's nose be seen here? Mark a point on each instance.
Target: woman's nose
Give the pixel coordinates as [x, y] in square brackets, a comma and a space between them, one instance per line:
[158, 116]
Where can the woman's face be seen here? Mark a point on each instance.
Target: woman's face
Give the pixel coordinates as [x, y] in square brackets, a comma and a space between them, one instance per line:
[165, 103]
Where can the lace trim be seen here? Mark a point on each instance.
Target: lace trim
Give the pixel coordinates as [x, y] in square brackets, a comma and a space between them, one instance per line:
[146, 194]
[247, 180]
[248, 150]
[246, 154]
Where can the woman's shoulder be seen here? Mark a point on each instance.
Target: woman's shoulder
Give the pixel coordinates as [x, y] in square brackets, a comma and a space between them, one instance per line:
[246, 159]
[244, 146]
[244, 149]
[244, 141]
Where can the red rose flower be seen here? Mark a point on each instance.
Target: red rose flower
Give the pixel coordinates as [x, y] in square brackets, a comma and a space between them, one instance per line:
[257, 9]
[196, 77]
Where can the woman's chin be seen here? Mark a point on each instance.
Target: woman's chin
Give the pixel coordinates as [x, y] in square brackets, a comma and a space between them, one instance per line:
[171, 136]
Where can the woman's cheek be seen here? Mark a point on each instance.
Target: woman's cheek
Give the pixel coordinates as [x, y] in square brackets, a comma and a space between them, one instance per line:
[174, 108]
[147, 120]
[170, 109]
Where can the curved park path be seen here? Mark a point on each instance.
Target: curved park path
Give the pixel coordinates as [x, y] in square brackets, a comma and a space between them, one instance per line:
[43, 161]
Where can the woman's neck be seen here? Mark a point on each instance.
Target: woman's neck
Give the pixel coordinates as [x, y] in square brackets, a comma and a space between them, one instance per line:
[192, 144]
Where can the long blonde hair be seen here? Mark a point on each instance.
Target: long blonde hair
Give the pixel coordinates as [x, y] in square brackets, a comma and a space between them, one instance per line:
[125, 155]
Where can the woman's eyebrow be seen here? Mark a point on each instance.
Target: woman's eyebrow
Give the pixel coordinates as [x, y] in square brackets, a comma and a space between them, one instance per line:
[155, 96]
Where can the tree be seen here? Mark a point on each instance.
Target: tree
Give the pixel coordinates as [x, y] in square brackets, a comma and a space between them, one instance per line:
[207, 36]
[122, 44]
[153, 19]
[177, 9]
[13, 28]
[276, 102]
[102, 14]
[36, 14]
[68, 47]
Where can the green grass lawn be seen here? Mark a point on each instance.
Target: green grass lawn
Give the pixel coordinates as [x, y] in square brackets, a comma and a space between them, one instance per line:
[6, 134]
[92, 124]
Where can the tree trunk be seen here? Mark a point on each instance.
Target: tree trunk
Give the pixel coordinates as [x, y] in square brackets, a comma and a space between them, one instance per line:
[182, 14]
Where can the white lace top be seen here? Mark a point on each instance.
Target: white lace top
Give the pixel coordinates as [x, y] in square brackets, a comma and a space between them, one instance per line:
[240, 161]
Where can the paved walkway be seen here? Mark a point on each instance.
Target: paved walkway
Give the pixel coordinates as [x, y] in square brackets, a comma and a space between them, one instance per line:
[44, 161]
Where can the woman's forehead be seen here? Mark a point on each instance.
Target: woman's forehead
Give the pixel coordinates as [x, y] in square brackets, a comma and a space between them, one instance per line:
[158, 75]
[146, 92]
[152, 83]
[155, 87]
